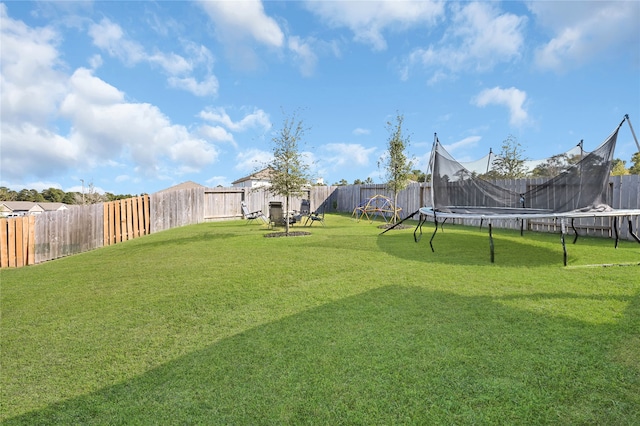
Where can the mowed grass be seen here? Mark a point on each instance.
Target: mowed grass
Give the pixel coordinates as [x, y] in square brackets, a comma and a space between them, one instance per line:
[215, 324]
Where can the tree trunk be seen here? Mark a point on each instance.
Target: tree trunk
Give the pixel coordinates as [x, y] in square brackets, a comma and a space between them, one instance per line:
[286, 215]
[395, 207]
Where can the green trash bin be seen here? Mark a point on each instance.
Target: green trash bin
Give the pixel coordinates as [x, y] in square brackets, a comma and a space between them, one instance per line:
[276, 216]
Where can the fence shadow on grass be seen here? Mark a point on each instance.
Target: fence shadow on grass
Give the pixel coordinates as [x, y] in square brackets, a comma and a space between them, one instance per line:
[387, 356]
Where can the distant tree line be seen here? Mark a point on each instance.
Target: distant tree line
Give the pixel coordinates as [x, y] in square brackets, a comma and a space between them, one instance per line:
[413, 176]
[55, 195]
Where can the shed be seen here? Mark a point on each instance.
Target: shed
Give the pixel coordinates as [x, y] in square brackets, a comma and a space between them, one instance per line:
[255, 180]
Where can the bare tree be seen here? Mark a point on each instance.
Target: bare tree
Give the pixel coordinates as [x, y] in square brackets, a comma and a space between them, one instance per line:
[89, 195]
[289, 173]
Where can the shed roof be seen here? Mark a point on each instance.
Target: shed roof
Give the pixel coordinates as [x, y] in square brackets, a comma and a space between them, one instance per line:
[50, 207]
[22, 206]
[184, 185]
[264, 174]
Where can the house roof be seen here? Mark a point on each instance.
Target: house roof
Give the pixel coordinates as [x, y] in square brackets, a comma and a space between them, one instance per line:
[50, 207]
[23, 206]
[264, 174]
[184, 185]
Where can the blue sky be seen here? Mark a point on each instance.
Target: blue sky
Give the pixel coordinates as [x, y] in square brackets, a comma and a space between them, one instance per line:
[139, 96]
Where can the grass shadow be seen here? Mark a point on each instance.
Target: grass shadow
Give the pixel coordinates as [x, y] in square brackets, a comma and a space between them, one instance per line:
[466, 246]
[387, 356]
[461, 245]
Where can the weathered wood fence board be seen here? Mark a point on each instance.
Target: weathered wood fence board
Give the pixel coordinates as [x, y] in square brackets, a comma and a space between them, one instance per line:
[224, 203]
[67, 232]
[172, 209]
[17, 242]
[125, 219]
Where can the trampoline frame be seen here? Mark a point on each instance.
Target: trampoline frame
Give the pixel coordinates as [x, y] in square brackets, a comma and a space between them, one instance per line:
[521, 215]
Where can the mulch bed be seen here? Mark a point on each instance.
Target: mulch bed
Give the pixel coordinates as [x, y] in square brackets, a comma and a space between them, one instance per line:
[389, 225]
[284, 234]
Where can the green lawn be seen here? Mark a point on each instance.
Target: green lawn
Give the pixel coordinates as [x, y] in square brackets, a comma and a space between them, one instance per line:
[215, 324]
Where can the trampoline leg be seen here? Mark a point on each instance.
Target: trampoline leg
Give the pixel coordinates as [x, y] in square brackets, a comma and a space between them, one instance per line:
[633, 234]
[574, 230]
[421, 221]
[564, 246]
[615, 229]
[491, 242]
[434, 234]
[521, 227]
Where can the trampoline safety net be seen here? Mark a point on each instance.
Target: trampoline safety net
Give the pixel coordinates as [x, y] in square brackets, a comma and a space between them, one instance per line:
[580, 187]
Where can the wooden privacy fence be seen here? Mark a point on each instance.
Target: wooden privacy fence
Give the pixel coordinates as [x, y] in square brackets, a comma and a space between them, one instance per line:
[126, 219]
[63, 233]
[84, 228]
[35, 239]
[17, 242]
[171, 209]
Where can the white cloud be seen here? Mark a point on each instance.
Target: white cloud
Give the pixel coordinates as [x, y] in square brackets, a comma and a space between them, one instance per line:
[478, 38]
[467, 142]
[257, 119]
[361, 131]
[106, 127]
[110, 37]
[342, 154]
[45, 154]
[586, 31]
[239, 26]
[193, 154]
[303, 54]
[95, 61]
[252, 159]
[368, 20]
[216, 134]
[170, 62]
[512, 98]
[32, 87]
[92, 89]
[241, 19]
[32, 83]
[103, 123]
[208, 87]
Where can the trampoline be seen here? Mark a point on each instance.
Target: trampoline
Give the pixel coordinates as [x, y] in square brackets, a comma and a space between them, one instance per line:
[578, 191]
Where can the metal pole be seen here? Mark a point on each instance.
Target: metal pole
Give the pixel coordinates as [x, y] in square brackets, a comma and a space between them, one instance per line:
[632, 132]
[432, 161]
[581, 145]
